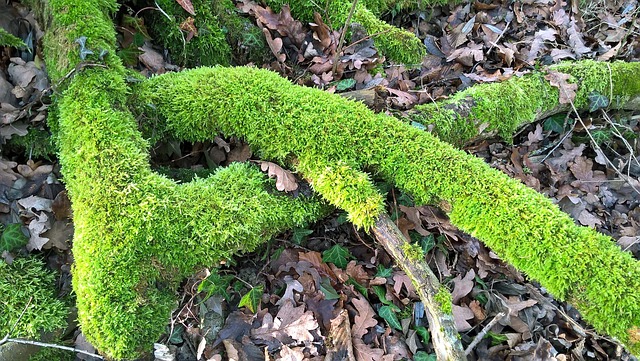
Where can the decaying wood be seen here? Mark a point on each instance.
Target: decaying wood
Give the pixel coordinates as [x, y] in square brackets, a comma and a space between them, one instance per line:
[445, 338]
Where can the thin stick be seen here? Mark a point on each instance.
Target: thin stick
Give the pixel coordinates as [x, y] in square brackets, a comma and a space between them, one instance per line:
[342, 35]
[482, 333]
[51, 345]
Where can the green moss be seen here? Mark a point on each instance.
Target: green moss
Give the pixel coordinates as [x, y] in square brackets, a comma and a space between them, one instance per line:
[27, 286]
[443, 297]
[398, 45]
[7, 39]
[520, 225]
[208, 47]
[38, 143]
[506, 106]
[413, 251]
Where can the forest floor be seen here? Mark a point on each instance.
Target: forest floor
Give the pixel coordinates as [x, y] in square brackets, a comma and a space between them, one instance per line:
[269, 302]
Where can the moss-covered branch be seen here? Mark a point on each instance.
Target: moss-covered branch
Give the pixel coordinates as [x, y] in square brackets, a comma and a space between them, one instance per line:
[284, 122]
[398, 45]
[487, 110]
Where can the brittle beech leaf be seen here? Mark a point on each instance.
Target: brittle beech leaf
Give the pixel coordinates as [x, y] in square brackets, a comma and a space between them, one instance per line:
[560, 80]
[285, 180]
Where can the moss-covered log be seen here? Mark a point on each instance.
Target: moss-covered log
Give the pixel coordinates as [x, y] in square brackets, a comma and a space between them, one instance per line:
[397, 44]
[332, 140]
[138, 232]
[500, 109]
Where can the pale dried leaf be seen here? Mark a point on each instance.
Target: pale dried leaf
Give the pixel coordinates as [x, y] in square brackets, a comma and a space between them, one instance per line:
[462, 286]
[460, 316]
[187, 6]
[365, 352]
[567, 91]
[285, 180]
[290, 354]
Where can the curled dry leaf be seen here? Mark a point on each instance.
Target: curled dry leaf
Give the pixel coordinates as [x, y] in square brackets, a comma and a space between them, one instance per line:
[285, 181]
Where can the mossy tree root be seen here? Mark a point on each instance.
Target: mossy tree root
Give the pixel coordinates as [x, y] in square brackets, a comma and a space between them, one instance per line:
[487, 110]
[288, 123]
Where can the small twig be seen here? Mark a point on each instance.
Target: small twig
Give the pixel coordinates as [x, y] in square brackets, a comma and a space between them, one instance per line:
[342, 35]
[482, 333]
[50, 345]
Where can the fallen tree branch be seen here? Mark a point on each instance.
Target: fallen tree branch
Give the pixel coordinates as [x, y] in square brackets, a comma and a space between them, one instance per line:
[436, 298]
[499, 109]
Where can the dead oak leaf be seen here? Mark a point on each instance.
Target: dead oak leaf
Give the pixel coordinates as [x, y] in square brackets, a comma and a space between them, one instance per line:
[290, 321]
[365, 352]
[460, 316]
[462, 286]
[285, 180]
[365, 318]
[566, 90]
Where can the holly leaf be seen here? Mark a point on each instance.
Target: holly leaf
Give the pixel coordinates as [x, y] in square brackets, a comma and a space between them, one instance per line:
[252, 299]
[560, 80]
[337, 255]
[390, 316]
[187, 6]
[12, 237]
[597, 101]
[285, 181]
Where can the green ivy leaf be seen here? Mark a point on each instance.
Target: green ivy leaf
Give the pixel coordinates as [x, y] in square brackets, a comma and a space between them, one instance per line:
[383, 271]
[252, 299]
[12, 237]
[423, 356]
[330, 293]
[360, 288]
[300, 234]
[424, 334]
[337, 255]
[554, 124]
[389, 315]
[597, 101]
[345, 84]
[215, 284]
[427, 243]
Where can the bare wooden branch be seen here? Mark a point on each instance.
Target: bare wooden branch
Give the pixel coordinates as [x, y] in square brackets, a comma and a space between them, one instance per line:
[444, 335]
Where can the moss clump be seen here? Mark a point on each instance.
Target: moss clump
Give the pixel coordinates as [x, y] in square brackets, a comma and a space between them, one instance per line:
[399, 45]
[8, 39]
[27, 286]
[443, 297]
[38, 143]
[413, 251]
[504, 107]
[520, 225]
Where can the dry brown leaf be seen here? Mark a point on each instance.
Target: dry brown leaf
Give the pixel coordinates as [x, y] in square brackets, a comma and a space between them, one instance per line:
[365, 352]
[460, 316]
[462, 286]
[291, 354]
[365, 318]
[401, 279]
[290, 321]
[567, 91]
[275, 45]
[189, 26]
[285, 180]
[187, 6]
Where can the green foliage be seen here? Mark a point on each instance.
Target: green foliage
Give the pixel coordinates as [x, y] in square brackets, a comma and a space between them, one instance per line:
[12, 237]
[299, 235]
[27, 286]
[50, 354]
[425, 335]
[496, 338]
[423, 356]
[327, 289]
[504, 107]
[216, 284]
[38, 143]
[443, 297]
[337, 255]
[251, 300]
[597, 101]
[8, 39]
[382, 271]
[389, 315]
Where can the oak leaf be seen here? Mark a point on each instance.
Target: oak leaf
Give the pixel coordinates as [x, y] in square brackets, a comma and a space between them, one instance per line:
[560, 80]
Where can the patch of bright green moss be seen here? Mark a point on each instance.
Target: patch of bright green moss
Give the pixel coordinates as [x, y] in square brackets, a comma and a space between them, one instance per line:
[38, 143]
[27, 286]
[506, 106]
[413, 251]
[8, 39]
[284, 122]
[443, 297]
